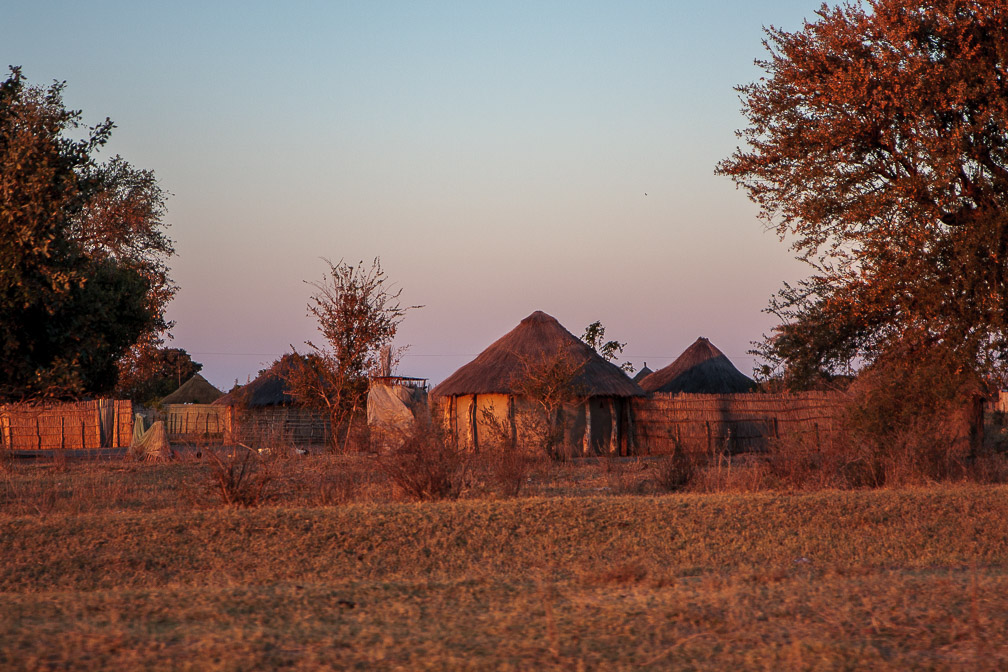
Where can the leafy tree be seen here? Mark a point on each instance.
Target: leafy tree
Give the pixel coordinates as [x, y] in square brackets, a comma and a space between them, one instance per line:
[877, 143]
[358, 314]
[148, 374]
[82, 252]
[594, 336]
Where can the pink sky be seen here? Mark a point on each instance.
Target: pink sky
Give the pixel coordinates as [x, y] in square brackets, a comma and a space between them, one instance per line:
[495, 158]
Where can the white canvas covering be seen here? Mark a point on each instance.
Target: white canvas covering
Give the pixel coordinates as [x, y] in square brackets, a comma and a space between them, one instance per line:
[152, 445]
[393, 411]
[389, 408]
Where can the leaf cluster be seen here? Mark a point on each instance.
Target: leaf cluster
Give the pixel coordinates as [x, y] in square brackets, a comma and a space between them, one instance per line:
[594, 336]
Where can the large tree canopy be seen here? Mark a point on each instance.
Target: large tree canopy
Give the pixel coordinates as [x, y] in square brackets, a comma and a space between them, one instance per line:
[878, 144]
[83, 274]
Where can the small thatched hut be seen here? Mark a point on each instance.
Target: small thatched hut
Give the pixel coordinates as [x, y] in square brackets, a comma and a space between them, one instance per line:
[265, 410]
[196, 390]
[491, 392]
[270, 387]
[642, 374]
[700, 369]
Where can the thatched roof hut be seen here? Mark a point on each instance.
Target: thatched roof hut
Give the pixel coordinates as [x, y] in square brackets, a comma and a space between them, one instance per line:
[642, 374]
[493, 383]
[270, 387]
[196, 390]
[700, 369]
[264, 412]
[498, 369]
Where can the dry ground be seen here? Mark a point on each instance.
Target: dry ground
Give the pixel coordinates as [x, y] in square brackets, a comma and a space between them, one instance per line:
[134, 566]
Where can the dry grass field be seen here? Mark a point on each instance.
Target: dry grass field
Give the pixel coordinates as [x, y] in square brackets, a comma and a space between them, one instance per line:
[130, 566]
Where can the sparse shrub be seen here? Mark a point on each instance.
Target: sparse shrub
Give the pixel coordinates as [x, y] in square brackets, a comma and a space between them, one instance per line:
[989, 467]
[426, 466]
[798, 461]
[240, 477]
[676, 471]
[912, 416]
[326, 480]
[505, 464]
[732, 475]
[509, 471]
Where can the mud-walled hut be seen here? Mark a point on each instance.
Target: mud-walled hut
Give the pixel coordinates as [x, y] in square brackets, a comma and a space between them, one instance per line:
[495, 392]
[700, 369]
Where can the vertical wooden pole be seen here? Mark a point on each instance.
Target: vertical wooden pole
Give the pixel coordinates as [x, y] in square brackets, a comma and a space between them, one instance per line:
[512, 421]
[38, 433]
[631, 438]
[586, 447]
[613, 428]
[472, 424]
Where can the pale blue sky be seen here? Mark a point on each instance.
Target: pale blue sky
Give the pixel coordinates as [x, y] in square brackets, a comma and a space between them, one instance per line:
[495, 155]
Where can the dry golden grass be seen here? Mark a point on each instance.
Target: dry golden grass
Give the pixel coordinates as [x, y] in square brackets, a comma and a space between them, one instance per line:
[127, 567]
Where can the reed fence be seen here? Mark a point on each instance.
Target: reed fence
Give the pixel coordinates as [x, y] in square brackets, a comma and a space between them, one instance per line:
[278, 426]
[196, 423]
[82, 425]
[664, 423]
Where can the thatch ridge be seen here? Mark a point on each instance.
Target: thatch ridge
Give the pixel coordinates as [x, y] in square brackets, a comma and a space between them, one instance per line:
[700, 369]
[196, 390]
[539, 335]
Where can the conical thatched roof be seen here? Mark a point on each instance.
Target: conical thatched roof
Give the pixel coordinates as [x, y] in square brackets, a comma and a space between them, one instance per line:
[196, 390]
[270, 387]
[497, 369]
[701, 368]
[642, 374]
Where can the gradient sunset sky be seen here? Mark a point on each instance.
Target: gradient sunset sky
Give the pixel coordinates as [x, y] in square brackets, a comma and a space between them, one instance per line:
[496, 156]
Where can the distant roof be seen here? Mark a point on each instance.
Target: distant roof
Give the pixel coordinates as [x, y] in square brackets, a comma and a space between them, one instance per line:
[498, 369]
[642, 374]
[196, 390]
[701, 368]
[270, 388]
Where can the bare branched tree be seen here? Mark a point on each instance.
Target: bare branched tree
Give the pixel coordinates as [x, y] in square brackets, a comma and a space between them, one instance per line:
[358, 314]
[551, 382]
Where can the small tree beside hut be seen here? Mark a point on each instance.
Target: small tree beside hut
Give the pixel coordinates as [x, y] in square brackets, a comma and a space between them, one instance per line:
[358, 314]
[550, 381]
